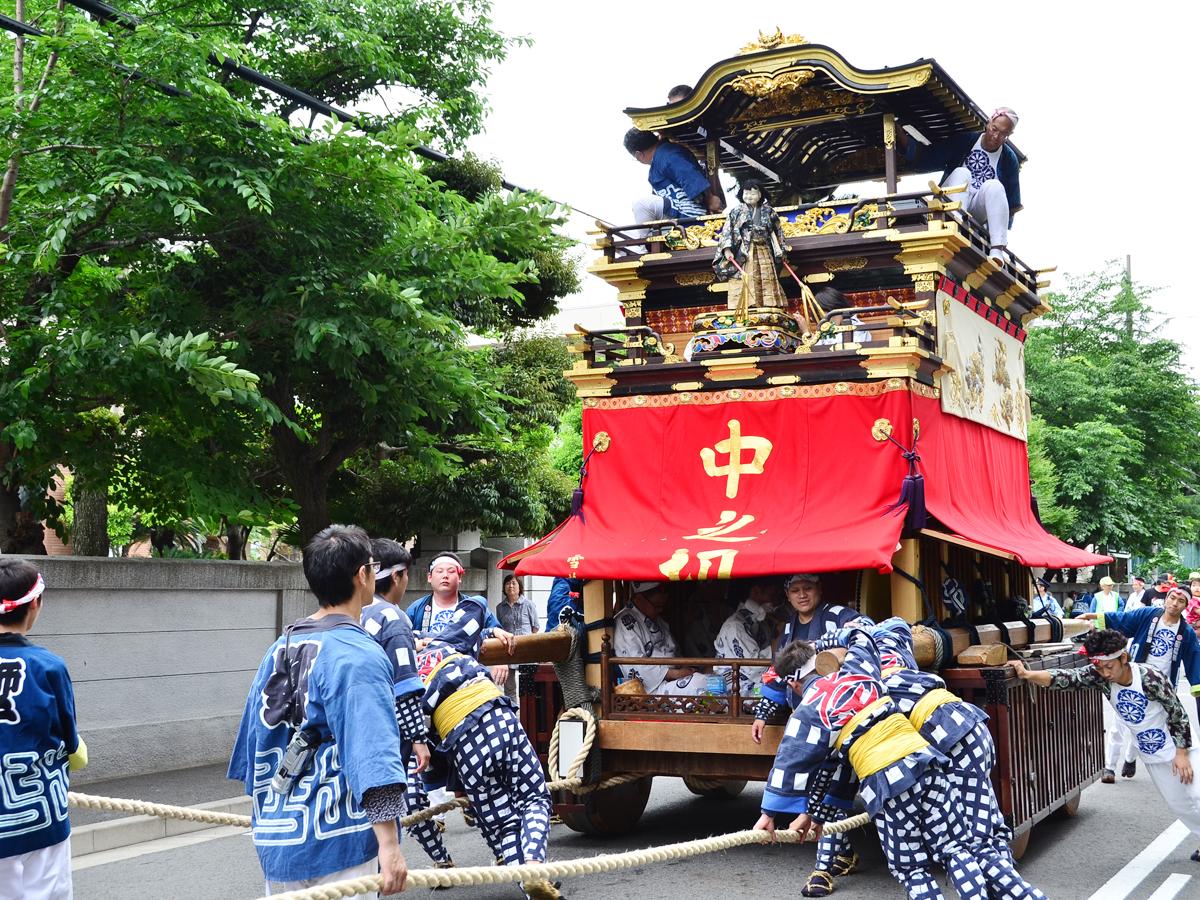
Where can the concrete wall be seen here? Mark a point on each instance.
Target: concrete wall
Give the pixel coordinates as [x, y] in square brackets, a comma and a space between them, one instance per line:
[162, 652]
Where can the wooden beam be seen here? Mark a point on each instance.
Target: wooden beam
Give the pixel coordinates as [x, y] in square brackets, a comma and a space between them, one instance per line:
[964, 542]
[687, 737]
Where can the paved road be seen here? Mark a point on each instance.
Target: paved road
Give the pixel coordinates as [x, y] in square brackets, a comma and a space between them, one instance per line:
[1070, 860]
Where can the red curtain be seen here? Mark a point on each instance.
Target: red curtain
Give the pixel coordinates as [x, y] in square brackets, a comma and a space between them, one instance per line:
[977, 485]
[808, 490]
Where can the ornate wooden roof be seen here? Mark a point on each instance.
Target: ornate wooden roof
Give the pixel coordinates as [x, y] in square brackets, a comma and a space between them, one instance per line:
[801, 115]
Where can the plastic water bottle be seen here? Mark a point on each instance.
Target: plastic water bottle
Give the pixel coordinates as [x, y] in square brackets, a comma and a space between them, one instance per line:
[715, 685]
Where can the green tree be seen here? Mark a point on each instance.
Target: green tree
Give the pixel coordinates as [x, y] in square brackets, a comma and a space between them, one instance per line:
[1119, 415]
[500, 483]
[259, 301]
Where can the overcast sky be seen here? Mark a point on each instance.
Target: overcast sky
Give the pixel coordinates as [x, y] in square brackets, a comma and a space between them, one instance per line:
[1102, 91]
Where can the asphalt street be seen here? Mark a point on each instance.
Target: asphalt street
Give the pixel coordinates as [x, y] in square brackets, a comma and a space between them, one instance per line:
[1100, 855]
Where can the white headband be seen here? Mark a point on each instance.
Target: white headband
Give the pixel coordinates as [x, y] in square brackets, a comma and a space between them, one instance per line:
[1007, 113]
[1114, 655]
[390, 570]
[39, 587]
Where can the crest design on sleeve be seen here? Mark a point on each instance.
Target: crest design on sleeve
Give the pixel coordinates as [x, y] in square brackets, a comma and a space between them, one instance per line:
[838, 698]
[1131, 705]
[1151, 740]
[277, 692]
[12, 681]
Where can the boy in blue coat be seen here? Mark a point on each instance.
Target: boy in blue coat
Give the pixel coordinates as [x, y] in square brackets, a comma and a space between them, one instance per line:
[38, 744]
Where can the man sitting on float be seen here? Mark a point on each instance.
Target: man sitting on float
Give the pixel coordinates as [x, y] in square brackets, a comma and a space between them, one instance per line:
[812, 618]
[748, 633]
[986, 165]
[640, 631]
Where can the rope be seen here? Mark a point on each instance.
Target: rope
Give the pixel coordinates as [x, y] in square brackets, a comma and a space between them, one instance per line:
[569, 868]
[162, 810]
[572, 783]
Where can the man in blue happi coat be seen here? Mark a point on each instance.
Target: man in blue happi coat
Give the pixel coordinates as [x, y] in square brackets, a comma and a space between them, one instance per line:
[318, 747]
[430, 615]
[959, 730]
[847, 716]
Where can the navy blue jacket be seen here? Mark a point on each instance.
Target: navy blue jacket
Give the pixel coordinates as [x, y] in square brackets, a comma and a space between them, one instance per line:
[1139, 624]
[952, 153]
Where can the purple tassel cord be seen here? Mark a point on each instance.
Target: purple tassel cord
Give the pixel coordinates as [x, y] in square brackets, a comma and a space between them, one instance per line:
[912, 491]
[577, 494]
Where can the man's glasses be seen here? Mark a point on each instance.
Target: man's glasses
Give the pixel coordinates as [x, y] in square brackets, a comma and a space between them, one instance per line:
[372, 565]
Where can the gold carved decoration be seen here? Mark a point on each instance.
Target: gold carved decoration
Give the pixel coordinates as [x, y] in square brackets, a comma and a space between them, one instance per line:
[601, 442]
[633, 309]
[881, 430]
[923, 281]
[796, 101]
[765, 85]
[889, 131]
[687, 279]
[773, 41]
[818, 220]
[798, 392]
[916, 428]
[845, 263]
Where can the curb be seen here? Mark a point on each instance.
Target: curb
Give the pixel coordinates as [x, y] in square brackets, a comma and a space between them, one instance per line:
[129, 830]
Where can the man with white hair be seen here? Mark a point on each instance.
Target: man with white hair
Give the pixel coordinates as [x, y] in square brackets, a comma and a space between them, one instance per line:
[986, 165]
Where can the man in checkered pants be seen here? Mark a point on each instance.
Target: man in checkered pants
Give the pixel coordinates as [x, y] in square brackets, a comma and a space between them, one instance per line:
[490, 753]
[847, 716]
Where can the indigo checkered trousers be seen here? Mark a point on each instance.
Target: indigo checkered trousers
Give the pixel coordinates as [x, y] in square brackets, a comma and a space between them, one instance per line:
[502, 777]
[416, 798]
[970, 771]
[831, 845]
[923, 827]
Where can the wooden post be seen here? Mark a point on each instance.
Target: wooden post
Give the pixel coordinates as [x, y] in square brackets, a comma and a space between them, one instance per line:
[595, 608]
[889, 151]
[906, 599]
[713, 163]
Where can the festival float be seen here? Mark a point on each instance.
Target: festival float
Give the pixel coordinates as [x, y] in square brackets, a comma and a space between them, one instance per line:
[881, 443]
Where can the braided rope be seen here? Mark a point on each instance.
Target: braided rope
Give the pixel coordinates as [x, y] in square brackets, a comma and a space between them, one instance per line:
[568, 868]
[161, 810]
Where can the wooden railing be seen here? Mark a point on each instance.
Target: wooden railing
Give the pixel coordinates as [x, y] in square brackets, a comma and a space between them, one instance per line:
[727, 707]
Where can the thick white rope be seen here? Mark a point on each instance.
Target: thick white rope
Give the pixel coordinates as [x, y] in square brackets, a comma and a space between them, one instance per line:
[567, 868]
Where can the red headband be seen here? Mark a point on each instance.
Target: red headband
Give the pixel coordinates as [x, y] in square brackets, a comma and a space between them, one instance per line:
[39, 587]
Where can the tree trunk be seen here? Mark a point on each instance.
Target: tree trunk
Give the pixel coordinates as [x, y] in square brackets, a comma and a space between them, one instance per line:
[236, 539]
[89, 536]
[19, 531]
[311, 492]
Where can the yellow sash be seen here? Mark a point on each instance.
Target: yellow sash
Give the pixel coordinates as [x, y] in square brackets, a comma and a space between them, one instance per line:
[885, 742]
[927, 704]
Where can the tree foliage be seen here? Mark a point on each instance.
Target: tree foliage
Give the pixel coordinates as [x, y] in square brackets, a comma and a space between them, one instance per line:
[1118, 416]
[253, 300]
[504, 484]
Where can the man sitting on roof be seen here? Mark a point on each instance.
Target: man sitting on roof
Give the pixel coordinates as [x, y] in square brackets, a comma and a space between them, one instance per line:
[986, 165]
[681, 188]
[639, 631]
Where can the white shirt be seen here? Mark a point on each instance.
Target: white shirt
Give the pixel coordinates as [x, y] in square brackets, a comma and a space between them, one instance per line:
[982, 163]
[1134, 600]
[635, 634]
[742, 636]
[1162, 647]
[1146, 718]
